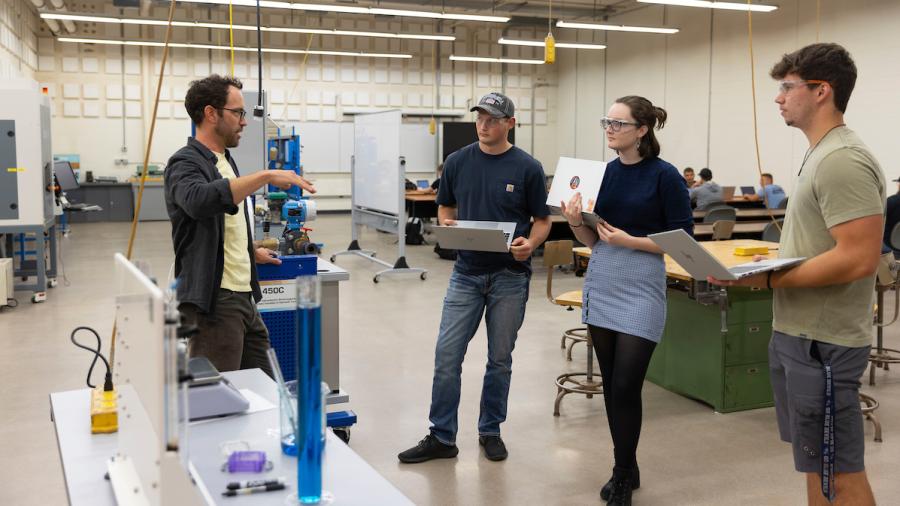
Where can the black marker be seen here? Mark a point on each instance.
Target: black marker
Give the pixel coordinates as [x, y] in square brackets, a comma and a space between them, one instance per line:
[252, 490]
[255, 483]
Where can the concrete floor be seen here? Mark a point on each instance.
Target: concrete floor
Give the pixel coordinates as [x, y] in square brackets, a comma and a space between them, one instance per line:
[688, 453]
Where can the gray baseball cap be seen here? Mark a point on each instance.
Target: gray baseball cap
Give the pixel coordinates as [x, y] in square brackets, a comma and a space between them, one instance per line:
[497, 105]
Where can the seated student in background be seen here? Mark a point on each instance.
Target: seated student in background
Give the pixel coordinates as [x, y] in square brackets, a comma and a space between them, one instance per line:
[891, 218]
[707, 192]
[436, 184]
[769, 191]
[689, 180]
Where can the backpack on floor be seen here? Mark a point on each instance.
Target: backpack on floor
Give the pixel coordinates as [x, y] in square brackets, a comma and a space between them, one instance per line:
[446, 254]
[415, 231]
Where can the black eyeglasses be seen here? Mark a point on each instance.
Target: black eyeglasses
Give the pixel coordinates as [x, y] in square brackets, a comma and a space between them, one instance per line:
[240, 112]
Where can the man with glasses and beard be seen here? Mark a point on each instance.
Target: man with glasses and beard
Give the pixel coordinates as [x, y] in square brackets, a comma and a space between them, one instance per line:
[214, 255]
[488, 180]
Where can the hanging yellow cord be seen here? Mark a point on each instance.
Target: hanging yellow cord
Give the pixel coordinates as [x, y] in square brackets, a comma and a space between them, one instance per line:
[231, 34]
[140, 193]
[818, 17]
[755, 124]
[299, 77]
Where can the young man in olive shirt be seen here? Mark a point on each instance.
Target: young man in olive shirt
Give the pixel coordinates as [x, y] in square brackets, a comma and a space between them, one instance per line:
[823, 307]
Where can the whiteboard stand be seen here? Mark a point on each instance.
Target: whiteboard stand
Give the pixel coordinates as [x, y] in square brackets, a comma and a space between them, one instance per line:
[380, 220]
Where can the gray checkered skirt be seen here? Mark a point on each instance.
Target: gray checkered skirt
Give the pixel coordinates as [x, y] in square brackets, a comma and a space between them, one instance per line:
[625, 291]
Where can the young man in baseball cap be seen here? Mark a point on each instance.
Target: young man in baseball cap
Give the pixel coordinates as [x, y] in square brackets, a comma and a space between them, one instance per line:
[489, 180]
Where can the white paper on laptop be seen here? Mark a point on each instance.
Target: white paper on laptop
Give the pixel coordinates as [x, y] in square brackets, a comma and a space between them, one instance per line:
[494, 236]
[700, 263]
[576, 175]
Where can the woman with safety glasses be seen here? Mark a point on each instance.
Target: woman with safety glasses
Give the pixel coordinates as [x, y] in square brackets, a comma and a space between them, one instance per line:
[624, 301]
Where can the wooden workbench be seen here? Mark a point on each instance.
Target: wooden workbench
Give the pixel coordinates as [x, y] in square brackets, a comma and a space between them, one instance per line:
[749, 214]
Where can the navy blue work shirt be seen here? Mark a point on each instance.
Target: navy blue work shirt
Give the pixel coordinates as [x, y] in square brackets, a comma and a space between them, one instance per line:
[644, 198]
[508, 187]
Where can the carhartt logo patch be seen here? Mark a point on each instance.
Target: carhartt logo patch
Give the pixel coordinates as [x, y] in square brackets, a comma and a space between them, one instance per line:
[510, 188]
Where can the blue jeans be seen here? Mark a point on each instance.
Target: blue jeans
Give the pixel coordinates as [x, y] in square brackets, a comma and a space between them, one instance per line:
[501, 297]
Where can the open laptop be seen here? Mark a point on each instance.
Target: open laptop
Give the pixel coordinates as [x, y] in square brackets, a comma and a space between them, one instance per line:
[748, 190]
[577, 175]
[700, 264]
[727, 193]
[493, 236]
[422, 184]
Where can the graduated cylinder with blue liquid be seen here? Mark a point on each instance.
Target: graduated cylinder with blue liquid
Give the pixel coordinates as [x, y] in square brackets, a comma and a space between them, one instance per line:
[310, 408]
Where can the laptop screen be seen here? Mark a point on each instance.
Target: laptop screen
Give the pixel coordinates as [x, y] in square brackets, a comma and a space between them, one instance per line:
[422, 184]
[747, 190]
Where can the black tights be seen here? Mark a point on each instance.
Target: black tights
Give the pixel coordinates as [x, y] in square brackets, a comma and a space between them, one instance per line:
[623, 361]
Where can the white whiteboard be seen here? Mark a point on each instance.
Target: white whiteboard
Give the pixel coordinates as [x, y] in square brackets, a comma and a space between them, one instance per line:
[328, 146]
[418, 147]
[377, 176]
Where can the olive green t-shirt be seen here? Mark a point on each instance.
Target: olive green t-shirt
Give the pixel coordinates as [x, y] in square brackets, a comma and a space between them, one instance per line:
[839, 182]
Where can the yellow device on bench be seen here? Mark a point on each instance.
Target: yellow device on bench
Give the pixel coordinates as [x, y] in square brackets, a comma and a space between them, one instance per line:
[749, 251]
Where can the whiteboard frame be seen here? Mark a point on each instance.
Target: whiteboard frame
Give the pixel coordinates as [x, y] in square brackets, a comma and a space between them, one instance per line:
[363, 215]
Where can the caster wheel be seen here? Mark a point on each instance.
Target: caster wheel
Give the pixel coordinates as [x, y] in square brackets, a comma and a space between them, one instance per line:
[331, 259]
[375, 279]
[343, 433]
[422, 276]
[373, 254]
[53, 283]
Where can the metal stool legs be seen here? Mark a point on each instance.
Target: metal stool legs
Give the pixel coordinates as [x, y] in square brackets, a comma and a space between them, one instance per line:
[576, 335]
[880, 356]
[569, 383]
[869, 405]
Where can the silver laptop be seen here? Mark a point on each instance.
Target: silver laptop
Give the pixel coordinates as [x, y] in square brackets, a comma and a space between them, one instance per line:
[490, 236]
[701, 264]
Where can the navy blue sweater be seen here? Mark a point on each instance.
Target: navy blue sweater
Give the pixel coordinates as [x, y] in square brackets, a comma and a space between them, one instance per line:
[644, 198]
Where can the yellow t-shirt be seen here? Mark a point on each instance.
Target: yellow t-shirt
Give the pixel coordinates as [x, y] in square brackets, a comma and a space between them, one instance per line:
[236, 275]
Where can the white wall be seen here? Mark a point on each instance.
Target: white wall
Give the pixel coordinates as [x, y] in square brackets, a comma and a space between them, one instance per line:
[701, 76]
[95, 119]
[18, 39]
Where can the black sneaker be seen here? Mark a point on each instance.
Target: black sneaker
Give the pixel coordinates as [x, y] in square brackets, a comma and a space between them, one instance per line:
[622, 487]
[428, 449]
[494, 449]
[635, 484]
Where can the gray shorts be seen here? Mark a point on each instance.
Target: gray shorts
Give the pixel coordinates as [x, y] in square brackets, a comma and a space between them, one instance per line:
[798, 384]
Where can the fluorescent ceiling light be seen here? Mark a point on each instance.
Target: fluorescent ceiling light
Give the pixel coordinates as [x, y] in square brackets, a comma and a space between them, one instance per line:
[731, 6]
[355, 10]
[481, 59]
[226, 48]
[224, 26]
[540, 43]
[616, 28]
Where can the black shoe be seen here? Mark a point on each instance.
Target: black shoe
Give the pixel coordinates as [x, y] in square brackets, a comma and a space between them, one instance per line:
[635, 484]
[620, 491]
[428, 449]
[494, 449]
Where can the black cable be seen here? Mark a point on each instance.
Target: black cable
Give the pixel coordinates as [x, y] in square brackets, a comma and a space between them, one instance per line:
[107, 382]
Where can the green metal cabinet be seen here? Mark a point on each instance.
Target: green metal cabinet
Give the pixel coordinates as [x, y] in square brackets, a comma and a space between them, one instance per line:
[727, 370]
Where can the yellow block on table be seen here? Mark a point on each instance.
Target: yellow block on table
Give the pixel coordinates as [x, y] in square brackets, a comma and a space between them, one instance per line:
[749, 251]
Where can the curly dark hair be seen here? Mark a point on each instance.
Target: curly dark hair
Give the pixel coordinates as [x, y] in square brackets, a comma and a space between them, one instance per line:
[212, 90]
[824, 62]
